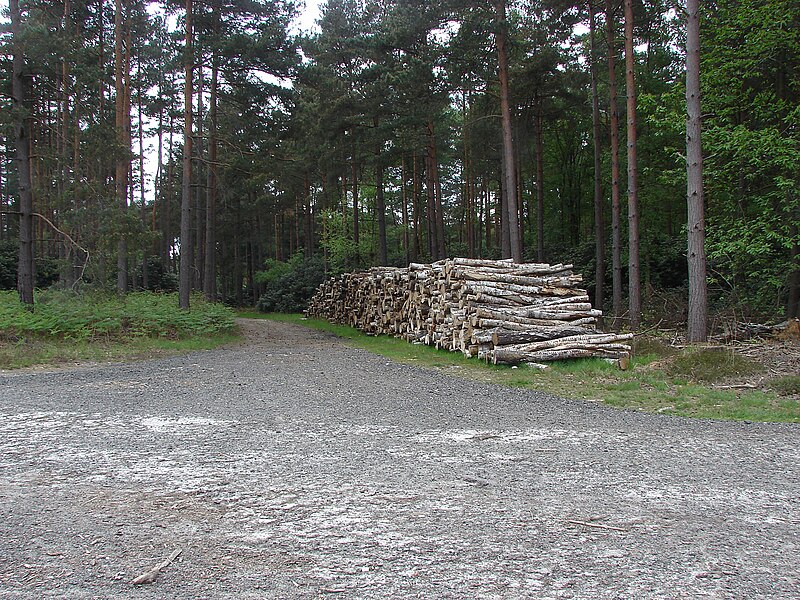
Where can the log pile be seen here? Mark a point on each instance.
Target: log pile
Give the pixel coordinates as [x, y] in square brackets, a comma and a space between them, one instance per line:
[500, 311]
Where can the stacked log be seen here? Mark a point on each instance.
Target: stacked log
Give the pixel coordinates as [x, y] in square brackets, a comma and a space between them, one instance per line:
[500, 311]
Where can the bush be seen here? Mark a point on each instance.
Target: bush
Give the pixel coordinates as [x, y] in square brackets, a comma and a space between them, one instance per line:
[290, 285]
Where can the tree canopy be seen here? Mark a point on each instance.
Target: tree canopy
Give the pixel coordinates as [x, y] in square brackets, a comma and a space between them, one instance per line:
[398, 132]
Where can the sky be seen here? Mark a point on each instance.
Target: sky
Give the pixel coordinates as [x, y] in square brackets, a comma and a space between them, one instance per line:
[308, 15]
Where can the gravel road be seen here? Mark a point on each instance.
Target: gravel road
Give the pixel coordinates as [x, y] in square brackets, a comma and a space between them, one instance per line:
[292, 466]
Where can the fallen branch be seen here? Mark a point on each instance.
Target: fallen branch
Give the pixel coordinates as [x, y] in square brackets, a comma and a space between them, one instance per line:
[150, 576]
[736, 386]
[596, 525]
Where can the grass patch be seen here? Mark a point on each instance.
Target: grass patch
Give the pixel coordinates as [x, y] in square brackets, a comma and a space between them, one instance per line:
[788, 385]
[711, 364]
[652, 383]
[66, 327]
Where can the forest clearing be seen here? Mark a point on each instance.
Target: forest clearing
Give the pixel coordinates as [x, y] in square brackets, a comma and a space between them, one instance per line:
[293, 466]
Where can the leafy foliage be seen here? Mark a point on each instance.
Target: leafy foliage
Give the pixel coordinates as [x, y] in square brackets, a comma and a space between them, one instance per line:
[290, 285]
[64, 315]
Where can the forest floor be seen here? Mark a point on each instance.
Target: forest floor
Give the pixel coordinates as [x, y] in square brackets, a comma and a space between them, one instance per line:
[292, 466]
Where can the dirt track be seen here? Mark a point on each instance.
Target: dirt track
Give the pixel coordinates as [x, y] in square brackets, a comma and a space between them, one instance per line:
[294, 467]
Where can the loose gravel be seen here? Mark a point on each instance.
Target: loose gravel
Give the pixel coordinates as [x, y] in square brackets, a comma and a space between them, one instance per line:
[292, 466]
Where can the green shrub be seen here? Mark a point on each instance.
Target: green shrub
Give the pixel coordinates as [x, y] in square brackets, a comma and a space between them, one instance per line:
[290, 285]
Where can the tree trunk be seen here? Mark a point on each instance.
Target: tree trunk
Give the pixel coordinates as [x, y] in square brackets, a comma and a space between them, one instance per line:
[634, 277]
[210, 277]
[539, 158]
[404, 187]
[510, 179]
[356, 228]
[698, 294]
[793, 307]
[599, 225]
[430, 188]
[143, 213]
[616, 208]
[198, 227]
[185, 284]
[441, 238]
[22, 140]
[415, 204]
[308, 245]
[123, 150]
[380, 208]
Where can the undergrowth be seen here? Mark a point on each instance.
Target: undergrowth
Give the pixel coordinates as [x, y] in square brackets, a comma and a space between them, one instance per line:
[93, 316]
[67, 327]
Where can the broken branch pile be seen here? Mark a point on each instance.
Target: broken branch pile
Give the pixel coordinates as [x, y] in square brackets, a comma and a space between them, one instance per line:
[500, 311]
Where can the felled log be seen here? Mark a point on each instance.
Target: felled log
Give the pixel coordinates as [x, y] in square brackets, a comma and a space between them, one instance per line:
[507, 337]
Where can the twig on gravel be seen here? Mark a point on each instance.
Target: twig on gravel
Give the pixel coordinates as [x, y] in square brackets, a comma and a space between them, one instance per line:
[150, 576]
[596, 525]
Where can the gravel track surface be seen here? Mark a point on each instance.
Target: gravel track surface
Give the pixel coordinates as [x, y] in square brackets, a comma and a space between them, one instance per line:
[292, 466]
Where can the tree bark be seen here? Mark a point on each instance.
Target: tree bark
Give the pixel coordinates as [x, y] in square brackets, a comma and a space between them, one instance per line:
[793, 306]
[510, 179]
[616, 209]
[539, 158]
[430, 189]
[198, 207]
[634, 277]
[356, 227]
[698, 289]
[185, 283]
[380, 205]
[599, 225]
[406, 225]
[122, 163]
[143, 203]
[210, 276]
[22, 140]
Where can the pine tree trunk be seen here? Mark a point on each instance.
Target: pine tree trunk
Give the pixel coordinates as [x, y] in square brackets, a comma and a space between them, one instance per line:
[123, 150]
[599, 225]
[417, 210]
[210, 276]
[22, 140]
[356, 224]
[441, 237]
[616, 205]
[510, 179]
[380, 206]
[634, 276]
[198, 226]
[185, 284]
[793, 306]
[406, 225]
[698, 294]
[539, 158]
[430, 188]
[308, 243]
[143, 213]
